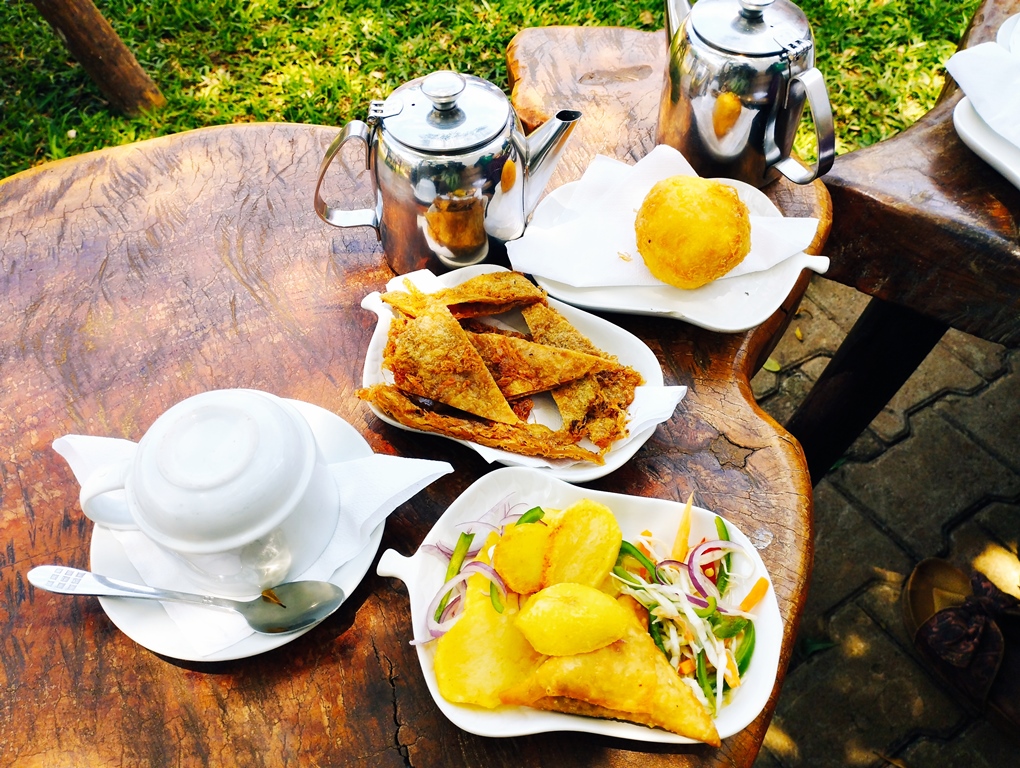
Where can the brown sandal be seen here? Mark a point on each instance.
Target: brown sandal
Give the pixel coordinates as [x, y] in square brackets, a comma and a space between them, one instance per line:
[968, 631]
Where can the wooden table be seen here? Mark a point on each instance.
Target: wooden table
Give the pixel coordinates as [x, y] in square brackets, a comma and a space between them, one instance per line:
[136, 276]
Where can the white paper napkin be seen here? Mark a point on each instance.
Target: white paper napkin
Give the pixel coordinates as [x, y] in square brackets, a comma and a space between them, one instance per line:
[651, 406]
[586, 238]
[989, 75]
[370, 489]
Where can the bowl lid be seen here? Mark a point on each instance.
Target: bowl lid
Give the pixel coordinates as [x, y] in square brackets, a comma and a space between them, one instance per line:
[446, 112]
[219, 469]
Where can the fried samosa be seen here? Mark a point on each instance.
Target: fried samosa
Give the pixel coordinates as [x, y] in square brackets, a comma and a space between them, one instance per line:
[430, 355]
[488, 294]
[523, 368]
[629, 679]
[523, 438]
[593, 406]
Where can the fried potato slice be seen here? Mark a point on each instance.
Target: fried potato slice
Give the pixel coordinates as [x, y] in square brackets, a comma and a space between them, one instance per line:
[491, 293]
[519, 555]
[484, 653]
[583, 545]
[629, 679]
[522, 437]
[430, 355]
[523, 368]
[566, 619]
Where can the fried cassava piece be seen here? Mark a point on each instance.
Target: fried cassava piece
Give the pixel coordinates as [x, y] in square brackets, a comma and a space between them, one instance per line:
[438, 351]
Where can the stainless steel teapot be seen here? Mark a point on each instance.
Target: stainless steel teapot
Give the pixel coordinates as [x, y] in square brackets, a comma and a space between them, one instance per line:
[452, 168]
[737, 77]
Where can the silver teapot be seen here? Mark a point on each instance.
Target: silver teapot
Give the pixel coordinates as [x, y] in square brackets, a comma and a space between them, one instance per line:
[737, 77]
[452, 170]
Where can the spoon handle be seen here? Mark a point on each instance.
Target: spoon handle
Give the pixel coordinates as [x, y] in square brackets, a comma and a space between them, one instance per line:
[72, 581]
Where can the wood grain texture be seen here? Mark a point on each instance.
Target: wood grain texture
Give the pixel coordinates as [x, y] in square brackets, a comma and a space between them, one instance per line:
[136, 276]
[922, 221]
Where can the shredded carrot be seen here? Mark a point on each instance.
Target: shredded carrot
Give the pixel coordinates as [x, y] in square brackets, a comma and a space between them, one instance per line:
[646, 532]
[644, 550]
[731, 674]
[680, 543]
[686, 666]
[755, 595]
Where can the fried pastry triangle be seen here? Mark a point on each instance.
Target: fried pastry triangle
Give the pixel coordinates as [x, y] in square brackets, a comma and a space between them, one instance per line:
[521, 367]
[487, 294]
[593, 406]
[626, 680]
[430, 356]
[523, 438]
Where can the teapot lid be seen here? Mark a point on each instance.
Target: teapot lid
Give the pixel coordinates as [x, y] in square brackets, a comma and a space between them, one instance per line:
[445, 111]
[752, 27]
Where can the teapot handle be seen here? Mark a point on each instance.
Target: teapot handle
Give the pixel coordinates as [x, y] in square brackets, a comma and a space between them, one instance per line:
[99, 498]
[339, 217]
[811, 82]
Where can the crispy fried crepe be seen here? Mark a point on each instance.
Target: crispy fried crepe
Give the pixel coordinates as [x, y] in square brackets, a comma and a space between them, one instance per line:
[430, 355]
[523, 438]
[488, 294]
[626, 680]
[594, 406]
[523, 368]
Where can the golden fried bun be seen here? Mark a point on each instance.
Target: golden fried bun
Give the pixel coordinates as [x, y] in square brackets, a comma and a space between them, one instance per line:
[691, 231]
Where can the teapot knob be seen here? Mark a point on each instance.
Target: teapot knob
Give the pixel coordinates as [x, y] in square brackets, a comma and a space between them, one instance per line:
[442, 89]
[753, 9]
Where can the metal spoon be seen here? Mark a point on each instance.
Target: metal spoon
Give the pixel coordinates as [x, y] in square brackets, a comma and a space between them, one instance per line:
[283, 608]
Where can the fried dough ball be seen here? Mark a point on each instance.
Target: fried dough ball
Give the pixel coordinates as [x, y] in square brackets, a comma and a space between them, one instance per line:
[691, 231]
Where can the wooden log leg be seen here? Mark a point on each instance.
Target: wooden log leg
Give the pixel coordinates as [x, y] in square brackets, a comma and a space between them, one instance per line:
[102, 54]
[882, 350]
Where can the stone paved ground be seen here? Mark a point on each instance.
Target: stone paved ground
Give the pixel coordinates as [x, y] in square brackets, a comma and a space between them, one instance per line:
[936, 474]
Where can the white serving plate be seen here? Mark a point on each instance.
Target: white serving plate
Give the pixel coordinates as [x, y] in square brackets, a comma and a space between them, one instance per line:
[149, 625]
[627, 347]
[424, 575]
[1002, 155]
[727, 305]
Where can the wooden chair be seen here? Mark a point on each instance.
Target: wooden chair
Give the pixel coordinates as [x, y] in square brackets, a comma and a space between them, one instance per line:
[930, 231]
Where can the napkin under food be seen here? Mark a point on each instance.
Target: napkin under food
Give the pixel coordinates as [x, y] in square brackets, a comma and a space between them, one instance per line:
[990, 76]
[370, 487]
[584, 236]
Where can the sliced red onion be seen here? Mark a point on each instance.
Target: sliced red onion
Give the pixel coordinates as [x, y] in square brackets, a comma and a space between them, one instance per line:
[456, 585]
[678, 564]
[438, 549]
[701, 582]
[477, 566]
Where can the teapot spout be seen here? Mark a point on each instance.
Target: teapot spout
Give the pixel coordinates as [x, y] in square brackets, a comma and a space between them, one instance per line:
[676, 12]
[544, 148]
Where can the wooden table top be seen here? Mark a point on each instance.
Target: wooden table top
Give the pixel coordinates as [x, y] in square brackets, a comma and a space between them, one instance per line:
[136, 276]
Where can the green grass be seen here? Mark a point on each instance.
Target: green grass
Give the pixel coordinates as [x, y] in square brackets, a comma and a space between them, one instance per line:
[322, 61]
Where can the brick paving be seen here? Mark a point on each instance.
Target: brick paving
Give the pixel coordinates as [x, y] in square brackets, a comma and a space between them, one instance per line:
[936, 474]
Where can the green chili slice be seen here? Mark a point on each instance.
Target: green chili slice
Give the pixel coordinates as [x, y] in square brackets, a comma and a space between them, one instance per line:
[725, 627]
[629, 550]
[745, 649]
[624, 575]
[497, 604]
[533, 515]
[456, 561]
[707, 610]
[654, 629]
[701, 671]
[723, 578]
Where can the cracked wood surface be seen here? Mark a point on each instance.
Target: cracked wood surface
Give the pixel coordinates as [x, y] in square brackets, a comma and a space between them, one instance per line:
[136, 276]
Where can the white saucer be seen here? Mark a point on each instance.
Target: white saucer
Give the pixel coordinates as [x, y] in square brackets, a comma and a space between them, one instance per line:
[1002, 155]
[607, 336]
[149, 625]
[424, 574]
[728, 305]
